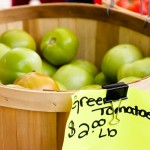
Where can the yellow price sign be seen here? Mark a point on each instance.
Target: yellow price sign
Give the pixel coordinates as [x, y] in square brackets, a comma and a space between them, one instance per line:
[118, 125]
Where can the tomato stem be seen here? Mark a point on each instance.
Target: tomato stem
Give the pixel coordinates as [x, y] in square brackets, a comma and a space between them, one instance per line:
[52, 41]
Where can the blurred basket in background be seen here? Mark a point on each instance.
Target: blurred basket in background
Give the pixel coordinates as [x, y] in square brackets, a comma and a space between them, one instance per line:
[130, 6]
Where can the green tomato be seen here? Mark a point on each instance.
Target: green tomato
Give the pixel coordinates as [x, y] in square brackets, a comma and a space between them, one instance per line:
[100, 79]
[91, 87]
[48, 68]
[139, 68]
[61, 86]
[129, 79]
[17, 62]
[3, 49]
[73, 77]
[59, 46]
[116, 57]
[18, 38]
[87, 65]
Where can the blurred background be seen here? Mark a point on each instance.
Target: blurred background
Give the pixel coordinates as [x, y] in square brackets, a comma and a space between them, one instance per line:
[7, 3]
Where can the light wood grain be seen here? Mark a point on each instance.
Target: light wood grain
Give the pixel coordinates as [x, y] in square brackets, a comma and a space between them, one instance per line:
[142, 85]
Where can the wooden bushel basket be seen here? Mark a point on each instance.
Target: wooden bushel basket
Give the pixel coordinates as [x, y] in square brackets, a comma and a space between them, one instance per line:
[33, 120]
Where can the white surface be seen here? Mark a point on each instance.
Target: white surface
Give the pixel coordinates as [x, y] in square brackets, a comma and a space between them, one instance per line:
[7, 3]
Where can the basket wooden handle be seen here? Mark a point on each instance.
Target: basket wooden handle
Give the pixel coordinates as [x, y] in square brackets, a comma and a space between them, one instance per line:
[52, 101]
[142, 85]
